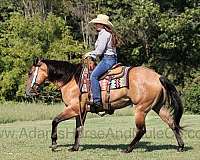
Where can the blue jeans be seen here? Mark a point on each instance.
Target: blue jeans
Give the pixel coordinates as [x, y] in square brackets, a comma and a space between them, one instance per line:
[105, 64]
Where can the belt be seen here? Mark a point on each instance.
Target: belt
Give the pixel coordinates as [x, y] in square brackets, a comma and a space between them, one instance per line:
[113, 55]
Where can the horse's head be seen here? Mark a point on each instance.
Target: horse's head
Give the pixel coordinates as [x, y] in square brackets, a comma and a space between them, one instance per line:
[37, 74]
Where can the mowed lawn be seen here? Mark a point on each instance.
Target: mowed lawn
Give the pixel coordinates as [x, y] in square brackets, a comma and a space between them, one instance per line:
[103, 139]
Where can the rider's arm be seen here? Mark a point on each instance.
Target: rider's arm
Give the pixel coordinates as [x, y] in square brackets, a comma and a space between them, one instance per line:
[101, 43]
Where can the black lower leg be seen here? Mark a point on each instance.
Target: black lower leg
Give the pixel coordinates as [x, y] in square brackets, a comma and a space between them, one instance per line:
[79, 127]
[55, 122]
[179, 140]
[77, 139]
[138, 136]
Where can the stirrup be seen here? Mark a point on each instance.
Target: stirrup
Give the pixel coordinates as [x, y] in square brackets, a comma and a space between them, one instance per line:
[110, 112]
[95, 107]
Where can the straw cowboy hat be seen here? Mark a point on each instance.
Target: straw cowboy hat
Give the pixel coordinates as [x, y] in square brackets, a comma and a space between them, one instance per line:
[102, 19]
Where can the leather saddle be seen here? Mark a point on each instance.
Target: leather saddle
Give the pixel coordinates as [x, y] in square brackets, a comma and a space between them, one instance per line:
[116, 71]
[114, 78]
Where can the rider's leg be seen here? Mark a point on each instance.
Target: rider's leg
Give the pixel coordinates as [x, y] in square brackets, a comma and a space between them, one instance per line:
[105, 64]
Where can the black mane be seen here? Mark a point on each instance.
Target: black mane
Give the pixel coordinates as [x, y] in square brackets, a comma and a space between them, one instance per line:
[62, 71]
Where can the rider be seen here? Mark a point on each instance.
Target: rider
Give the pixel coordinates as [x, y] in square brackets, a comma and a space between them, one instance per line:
[105, 46]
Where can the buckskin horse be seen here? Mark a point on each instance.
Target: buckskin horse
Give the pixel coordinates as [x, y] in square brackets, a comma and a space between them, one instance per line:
[147, 91]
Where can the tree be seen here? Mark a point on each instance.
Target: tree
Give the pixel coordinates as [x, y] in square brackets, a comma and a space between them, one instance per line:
[23, 39]
[163, 35]
[192, 94]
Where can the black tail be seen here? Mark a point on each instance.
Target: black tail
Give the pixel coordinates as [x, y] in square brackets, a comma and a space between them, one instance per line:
[174, 100]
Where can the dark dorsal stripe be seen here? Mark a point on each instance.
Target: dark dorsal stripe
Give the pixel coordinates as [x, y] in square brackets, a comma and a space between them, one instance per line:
[62, 71]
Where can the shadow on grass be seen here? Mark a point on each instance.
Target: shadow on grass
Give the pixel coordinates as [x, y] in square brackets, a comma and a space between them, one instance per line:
[145, 145]
[152, 148]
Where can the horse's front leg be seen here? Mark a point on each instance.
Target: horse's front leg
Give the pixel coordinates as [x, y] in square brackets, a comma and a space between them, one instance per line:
[69, 112]
[80, 120]
[54, 137]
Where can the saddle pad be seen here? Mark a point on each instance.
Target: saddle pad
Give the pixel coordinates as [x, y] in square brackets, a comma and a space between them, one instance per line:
[115, 83]
[85, 80]
[109, 82]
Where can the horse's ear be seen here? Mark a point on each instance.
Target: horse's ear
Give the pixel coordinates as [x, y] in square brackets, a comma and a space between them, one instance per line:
[40, 61]
[37, 61]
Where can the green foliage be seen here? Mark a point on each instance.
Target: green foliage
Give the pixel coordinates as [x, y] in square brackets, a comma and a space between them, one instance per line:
[166, 41]
[24, 38]
[176, 50]
[192, 95]
[6, 7]
[192, 98]
[163, 35]
[135, 21]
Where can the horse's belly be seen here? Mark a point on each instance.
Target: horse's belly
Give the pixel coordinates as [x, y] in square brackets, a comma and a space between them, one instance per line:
[121, 103]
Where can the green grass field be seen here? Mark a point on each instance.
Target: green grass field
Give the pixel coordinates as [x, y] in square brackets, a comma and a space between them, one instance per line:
[103, 138]
[12, 112]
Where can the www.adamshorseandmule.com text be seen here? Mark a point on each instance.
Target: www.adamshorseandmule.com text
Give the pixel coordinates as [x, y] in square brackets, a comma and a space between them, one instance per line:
[38, 133]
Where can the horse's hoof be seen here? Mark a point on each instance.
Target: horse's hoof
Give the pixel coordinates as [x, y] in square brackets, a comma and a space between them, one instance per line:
[55, 150]
[180, 149]
[51, 146]
[73, 149]
[125, 151]
[54, 147]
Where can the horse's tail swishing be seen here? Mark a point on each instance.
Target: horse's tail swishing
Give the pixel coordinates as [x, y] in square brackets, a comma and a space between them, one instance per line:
[175, 103]
[174, 100]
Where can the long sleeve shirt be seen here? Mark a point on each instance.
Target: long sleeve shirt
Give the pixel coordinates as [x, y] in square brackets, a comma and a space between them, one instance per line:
[103, 44]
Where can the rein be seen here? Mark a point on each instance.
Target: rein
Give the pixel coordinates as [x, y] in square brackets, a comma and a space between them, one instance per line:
[79, 85]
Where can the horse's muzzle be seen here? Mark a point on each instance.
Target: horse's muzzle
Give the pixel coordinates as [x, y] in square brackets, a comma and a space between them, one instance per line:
[31, 92]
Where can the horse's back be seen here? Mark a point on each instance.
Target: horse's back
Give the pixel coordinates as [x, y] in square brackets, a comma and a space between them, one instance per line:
[144, 72]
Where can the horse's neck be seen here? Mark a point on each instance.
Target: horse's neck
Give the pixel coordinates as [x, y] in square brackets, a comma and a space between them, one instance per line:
[78, 73]
[70, 92]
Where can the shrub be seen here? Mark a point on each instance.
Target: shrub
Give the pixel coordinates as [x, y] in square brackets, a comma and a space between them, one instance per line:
[192, 98]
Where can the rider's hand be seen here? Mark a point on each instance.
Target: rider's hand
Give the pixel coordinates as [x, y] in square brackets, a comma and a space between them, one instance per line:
[89, 54]
[86, 55]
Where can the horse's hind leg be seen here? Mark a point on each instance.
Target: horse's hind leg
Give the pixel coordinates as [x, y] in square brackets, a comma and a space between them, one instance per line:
[165, 115]
[140, 127]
